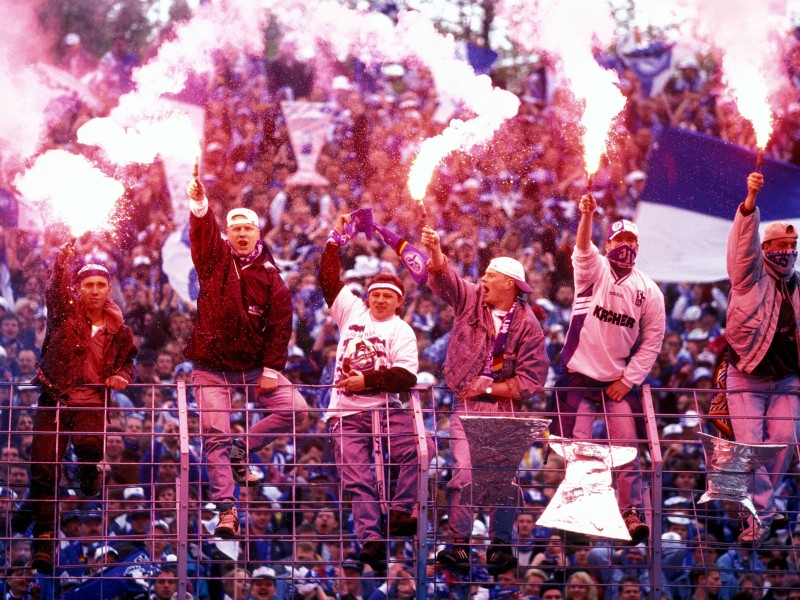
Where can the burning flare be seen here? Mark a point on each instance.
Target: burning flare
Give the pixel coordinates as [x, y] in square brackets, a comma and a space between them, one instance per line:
[70, 189]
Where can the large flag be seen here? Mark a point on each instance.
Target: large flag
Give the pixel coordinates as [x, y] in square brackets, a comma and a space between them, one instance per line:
[694, 185]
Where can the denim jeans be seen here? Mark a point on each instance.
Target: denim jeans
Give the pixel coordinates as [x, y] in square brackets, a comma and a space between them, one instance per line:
[353, 438]
[287, 411]
[459, 488]
[767, 412]
[620, 424]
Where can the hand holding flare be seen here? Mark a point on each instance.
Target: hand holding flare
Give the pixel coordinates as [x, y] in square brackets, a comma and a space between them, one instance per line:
[196, 190]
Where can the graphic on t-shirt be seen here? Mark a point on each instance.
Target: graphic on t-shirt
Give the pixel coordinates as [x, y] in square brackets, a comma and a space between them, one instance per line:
[364, 354]
[360, 355]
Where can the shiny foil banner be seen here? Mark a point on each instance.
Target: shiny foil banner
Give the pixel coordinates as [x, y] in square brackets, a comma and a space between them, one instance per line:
[730, 467]
[585, 502]
[494, 465]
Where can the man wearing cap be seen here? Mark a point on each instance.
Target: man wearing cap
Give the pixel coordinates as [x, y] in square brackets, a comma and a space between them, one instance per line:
[376, 358]
[495, 359]
[615, 334]
[87, 346]
[763, 312]
[263, 584]
[240, 337]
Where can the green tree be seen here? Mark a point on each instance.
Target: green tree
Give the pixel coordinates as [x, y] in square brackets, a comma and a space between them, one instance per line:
[98, 22]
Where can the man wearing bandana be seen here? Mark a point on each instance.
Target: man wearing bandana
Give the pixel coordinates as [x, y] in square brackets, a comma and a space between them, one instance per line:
[761, 330]
[615, 334]
[495, 360]
[240, 338]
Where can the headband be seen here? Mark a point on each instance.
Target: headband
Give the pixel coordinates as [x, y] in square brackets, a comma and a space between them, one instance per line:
[385, 285]
[92, 270]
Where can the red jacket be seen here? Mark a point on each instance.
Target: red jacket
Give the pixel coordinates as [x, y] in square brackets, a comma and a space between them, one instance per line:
[244, 315]
[69, 331]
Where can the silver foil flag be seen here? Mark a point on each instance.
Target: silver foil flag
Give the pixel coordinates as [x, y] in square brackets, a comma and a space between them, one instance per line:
[497, 446]
[585, 501]
[730, 467]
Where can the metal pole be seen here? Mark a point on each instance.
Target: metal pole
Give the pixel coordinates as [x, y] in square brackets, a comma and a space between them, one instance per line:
[422, 482]
[657, 493]
[183, 492]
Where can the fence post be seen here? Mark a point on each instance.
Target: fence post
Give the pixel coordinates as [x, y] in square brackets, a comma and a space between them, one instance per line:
[422, 482]
[654, 446]
[183, 492]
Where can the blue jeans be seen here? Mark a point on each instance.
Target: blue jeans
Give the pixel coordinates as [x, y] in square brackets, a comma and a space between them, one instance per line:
[353, 439]
[767, 412]
[288, 411]
[461, 508]
[620, 424]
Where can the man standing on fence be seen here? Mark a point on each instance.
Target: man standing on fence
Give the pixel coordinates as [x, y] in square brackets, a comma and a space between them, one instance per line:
[240, 337]
[495, 360]
[87, 345]
[761, 330]
[615, 334]
[376, 359]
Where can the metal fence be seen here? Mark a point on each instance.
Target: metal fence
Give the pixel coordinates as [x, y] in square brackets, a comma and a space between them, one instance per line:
[150, 531]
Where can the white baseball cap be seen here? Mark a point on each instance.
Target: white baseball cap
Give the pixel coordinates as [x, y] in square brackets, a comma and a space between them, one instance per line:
[510, 267]
[249, 217]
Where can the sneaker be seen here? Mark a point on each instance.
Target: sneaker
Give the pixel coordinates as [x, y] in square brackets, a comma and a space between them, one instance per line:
[402, 523]
[754, 535]
[228, 525]
[43, 554]
[242, 474]
[455, 558]
[373, 553]
[500, 559]
[638, 531]
[91, 480]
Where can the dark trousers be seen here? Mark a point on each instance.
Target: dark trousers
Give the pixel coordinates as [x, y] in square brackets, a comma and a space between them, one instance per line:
[52, 427]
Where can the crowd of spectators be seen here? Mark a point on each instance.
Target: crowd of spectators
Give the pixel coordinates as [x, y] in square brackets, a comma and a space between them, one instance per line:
[516, 196]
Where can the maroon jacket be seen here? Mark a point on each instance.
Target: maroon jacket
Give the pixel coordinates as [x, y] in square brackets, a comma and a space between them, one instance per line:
[69, 331]
[244, 315]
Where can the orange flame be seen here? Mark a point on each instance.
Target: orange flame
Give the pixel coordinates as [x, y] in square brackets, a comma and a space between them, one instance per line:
[500, 106]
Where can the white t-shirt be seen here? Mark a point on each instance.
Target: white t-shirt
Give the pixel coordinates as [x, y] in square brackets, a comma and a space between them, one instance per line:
[366, 344]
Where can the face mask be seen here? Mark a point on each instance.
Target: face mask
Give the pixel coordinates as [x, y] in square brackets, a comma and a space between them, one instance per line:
[782, 261]
[623, 256]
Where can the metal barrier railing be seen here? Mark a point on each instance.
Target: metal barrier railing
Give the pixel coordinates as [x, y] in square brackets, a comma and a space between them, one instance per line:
[199, 564]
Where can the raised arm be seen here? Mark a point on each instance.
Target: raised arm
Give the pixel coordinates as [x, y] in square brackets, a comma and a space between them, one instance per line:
[586, 205]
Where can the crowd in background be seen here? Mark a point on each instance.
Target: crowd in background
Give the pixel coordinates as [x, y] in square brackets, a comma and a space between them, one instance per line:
[516, 196]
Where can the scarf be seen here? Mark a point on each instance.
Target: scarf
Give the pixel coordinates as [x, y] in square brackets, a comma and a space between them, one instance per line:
[494, 364]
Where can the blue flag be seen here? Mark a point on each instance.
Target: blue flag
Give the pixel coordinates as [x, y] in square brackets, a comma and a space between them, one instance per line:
[694, 185]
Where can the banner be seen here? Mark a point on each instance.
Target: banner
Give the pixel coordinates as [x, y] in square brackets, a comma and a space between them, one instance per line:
[176, 261]
[308, 124]
[694, 185]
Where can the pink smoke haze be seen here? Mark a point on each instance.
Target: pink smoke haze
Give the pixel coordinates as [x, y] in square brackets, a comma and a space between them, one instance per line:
[69, 189]
[170, 135]
[569, 30]
[749, 36]
[138, 128]
[373, 37]
[23, 95]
